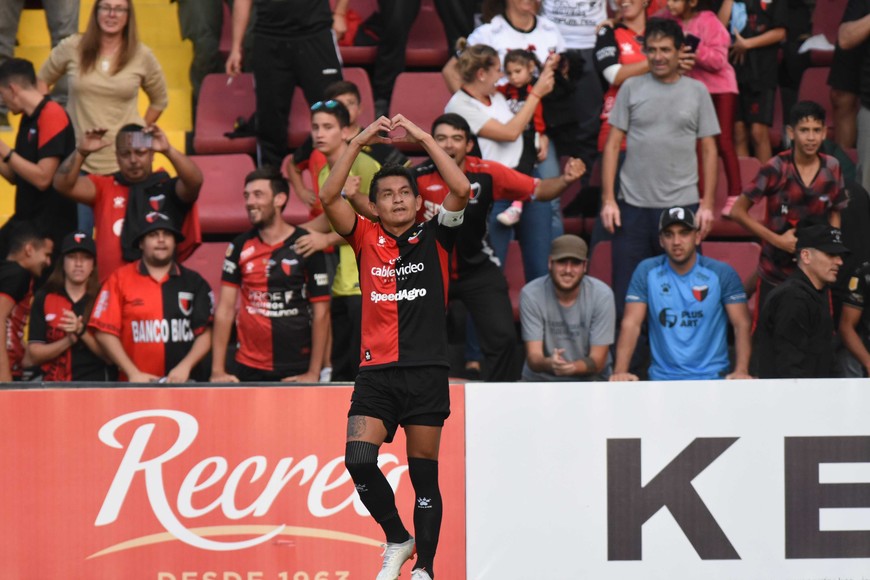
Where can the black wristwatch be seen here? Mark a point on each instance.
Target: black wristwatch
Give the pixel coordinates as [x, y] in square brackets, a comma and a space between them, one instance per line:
[8, 156]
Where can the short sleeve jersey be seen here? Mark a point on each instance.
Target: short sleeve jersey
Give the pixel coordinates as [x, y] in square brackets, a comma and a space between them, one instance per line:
[156, 321]
[662, 122]
[17, 284]
[503, 36]
[76, 363]
[46, 133]
[490, 181]
[618, 45]
[404, 283]
[789, 200]
[276, 286]
[859, 293]
[110, 212]
[686, 314]
[590, 321]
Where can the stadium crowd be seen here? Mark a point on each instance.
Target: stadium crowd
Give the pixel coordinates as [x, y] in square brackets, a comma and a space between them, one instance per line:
[628, 110]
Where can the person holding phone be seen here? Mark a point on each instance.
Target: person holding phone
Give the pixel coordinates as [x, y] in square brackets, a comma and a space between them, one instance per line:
[120, 200]
[709, 41]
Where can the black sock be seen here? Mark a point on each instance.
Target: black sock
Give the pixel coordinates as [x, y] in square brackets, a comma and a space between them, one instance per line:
[361, 461]
[427, 510]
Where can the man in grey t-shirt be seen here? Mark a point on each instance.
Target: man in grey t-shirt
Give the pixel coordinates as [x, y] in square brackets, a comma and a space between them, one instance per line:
[662, 115]
[567, 318]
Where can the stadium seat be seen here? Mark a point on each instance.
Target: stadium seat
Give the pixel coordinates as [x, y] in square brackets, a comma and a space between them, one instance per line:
[600, 265]
[208, 261]
[421, 97]
[221, 206]
[218, 108]
[722, 226]
[515, 275]
[360, 55]
[427, 43]
[826, 20]
[742, 256]
[814, 87]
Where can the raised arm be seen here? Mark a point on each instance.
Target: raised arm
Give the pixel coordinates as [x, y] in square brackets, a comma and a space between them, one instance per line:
[553, 187]
[340, 214]
[189, 175]
[68, 181]
[457, 183]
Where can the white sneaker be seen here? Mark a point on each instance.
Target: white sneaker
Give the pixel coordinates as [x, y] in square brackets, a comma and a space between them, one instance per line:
[394, 556]
[510, 216]
[420, 574]
[325, 374]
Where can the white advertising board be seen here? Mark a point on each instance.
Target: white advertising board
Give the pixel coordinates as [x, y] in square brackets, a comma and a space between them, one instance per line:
[736, 480]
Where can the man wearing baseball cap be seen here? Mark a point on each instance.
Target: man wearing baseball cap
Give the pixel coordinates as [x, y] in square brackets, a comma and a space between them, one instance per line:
[795, 328]
[153, 316]
[58, 339]
[567, 318]
[689, 297]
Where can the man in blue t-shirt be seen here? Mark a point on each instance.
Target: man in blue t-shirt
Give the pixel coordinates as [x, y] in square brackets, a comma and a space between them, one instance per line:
[689, 297]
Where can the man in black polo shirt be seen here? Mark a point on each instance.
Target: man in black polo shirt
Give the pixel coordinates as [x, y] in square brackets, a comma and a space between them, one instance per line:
[854, 33]
[293, 45]
[45, 137]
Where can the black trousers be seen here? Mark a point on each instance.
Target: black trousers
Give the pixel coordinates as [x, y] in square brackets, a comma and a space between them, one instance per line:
[310, 62]
[484, 293]
[346, 314]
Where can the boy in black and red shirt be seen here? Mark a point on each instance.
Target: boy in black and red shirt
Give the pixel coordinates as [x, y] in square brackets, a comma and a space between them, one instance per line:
[283, 319]
[153, 316]
[29, 255]
[45, 137]
[403, 269]
[798, 183]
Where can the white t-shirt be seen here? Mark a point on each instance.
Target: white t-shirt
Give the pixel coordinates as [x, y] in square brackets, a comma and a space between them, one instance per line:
[500, 35]
[477, 114]
[576, 20]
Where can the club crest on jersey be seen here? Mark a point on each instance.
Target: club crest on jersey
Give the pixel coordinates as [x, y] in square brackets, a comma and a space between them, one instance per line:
[185, 302]
[475, 190]
[156, 202]
[415, 237]
[700, 292]
[287, 265]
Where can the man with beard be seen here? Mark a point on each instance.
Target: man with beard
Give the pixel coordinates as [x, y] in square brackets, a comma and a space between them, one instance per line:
[284, 314]
[795, 328]
[689, 297]
[568, 318]
[153, 317]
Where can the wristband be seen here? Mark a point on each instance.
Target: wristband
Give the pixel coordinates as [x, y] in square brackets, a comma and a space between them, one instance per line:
[8, 156]
[534, 94]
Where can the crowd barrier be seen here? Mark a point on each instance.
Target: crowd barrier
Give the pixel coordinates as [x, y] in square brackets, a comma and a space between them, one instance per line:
[714, 480]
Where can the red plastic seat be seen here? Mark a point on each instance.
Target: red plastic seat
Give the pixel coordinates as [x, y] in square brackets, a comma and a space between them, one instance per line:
[814, 87]
[421, 97]
[826, 20]
[218, 107]
[427, 43]
[515, 274]
[742, 256]
[600, 265]
[724, 227]
[221, 205]
[208, 260]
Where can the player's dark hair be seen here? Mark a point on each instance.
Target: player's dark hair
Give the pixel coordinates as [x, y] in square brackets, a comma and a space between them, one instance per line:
[334, 108]
[338, 88]
[806, 110]
[276, 181]
[391, 170]
[22, 233]
[456, 121]
[664, 28]
[17, 70]
[521, 56]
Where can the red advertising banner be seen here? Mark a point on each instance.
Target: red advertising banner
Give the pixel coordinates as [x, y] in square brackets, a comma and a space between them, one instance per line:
[201, 484]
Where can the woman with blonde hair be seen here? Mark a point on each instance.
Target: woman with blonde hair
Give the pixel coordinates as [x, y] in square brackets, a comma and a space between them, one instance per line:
[107, 66]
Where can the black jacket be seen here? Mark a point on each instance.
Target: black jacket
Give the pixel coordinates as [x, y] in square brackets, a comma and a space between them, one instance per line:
[795, 331]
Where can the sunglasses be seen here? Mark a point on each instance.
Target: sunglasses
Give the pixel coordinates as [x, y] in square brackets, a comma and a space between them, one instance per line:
[330, 104]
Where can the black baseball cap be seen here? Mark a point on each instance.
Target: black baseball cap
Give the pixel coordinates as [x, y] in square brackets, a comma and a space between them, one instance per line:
[677, 215]
[154, 221]
[822, 237]
[78, 242]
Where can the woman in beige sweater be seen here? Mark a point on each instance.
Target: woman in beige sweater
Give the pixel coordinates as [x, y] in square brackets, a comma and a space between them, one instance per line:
[107, 65]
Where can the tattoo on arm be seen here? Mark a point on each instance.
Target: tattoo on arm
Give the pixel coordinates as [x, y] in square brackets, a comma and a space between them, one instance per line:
[356, 426]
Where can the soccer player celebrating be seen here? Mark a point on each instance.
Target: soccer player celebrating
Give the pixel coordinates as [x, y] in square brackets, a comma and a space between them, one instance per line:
[403, 369]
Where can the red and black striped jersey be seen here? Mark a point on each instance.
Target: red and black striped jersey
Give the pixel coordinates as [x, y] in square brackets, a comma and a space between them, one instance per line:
[277, 287]
[404, 283]
[77, 363]
[17, 284]
[490, 181]
[157, 321]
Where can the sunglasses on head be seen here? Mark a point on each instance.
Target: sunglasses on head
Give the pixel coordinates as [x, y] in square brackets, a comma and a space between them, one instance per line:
[330, 104]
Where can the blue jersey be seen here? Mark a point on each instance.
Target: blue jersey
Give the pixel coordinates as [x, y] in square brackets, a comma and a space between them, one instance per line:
[687, 318]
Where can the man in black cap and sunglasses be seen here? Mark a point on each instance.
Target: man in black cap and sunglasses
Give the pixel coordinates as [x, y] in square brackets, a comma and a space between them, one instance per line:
[795, 328]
